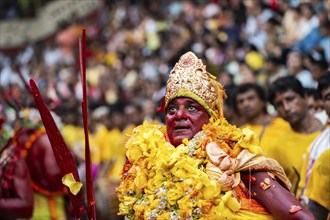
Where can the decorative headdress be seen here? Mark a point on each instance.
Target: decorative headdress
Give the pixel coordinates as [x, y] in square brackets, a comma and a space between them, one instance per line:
[189, 78]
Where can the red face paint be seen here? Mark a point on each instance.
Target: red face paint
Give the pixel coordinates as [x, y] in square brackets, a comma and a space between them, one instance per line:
[184, 118]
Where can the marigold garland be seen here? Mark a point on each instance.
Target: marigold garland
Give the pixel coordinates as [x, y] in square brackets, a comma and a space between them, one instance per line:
[167, 182]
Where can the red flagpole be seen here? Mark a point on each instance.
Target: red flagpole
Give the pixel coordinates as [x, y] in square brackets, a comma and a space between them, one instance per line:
[89, 180]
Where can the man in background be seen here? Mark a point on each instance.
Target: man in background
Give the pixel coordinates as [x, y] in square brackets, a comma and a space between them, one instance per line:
[288, 97]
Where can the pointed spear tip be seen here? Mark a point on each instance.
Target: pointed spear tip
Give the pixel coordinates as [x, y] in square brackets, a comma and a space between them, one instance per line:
[31, 81]
[33, 88]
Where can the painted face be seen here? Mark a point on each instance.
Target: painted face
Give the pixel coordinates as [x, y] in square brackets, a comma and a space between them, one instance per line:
[184, 118]
[249, 104]
[290, 106]
[326, 100]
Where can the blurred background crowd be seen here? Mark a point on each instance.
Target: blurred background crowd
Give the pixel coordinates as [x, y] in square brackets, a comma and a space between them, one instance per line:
[131, 47]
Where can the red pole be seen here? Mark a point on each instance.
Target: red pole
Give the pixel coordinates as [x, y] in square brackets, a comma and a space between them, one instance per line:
[88, 164]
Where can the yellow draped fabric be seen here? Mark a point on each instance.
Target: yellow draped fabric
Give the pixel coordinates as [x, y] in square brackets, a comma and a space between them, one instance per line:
[318, 187]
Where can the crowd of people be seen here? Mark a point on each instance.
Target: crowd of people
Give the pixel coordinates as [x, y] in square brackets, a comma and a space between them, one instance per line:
[268, 55]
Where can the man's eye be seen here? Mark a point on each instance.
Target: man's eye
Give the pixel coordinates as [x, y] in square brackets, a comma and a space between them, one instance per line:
[240, 101]
[191, 108]
[171, 109]
[291, 99]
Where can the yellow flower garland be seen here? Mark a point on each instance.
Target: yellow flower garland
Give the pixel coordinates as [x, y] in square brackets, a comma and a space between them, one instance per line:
[167, 182]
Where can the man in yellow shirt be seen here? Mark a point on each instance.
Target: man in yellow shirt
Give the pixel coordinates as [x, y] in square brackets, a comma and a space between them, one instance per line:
[316, 191]
[250, 102]
[288, 97]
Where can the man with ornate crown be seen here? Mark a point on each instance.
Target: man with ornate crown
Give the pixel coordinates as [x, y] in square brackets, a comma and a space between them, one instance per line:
[198, 166]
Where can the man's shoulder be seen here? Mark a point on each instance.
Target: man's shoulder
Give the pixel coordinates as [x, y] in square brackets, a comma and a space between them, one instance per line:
[281, 123]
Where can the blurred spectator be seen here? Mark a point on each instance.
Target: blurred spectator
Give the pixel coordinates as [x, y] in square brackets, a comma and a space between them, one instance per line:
[274, 32]
[316, 64]
[288, 97]
[274, 69]
[296, 68]
[226, 79]
[291, 23]
[308, 18]
[314, 101]
[313, 38]
[250, 102]
[258, 14]
[316, 182]
[228, 107]
[315, 105]
[247, 74]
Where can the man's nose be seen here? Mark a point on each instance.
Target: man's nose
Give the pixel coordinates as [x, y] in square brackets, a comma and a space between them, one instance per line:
[245, 103]
[181, 113]
[286, 106]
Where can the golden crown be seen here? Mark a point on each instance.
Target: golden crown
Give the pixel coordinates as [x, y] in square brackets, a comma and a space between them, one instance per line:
[189, 78]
